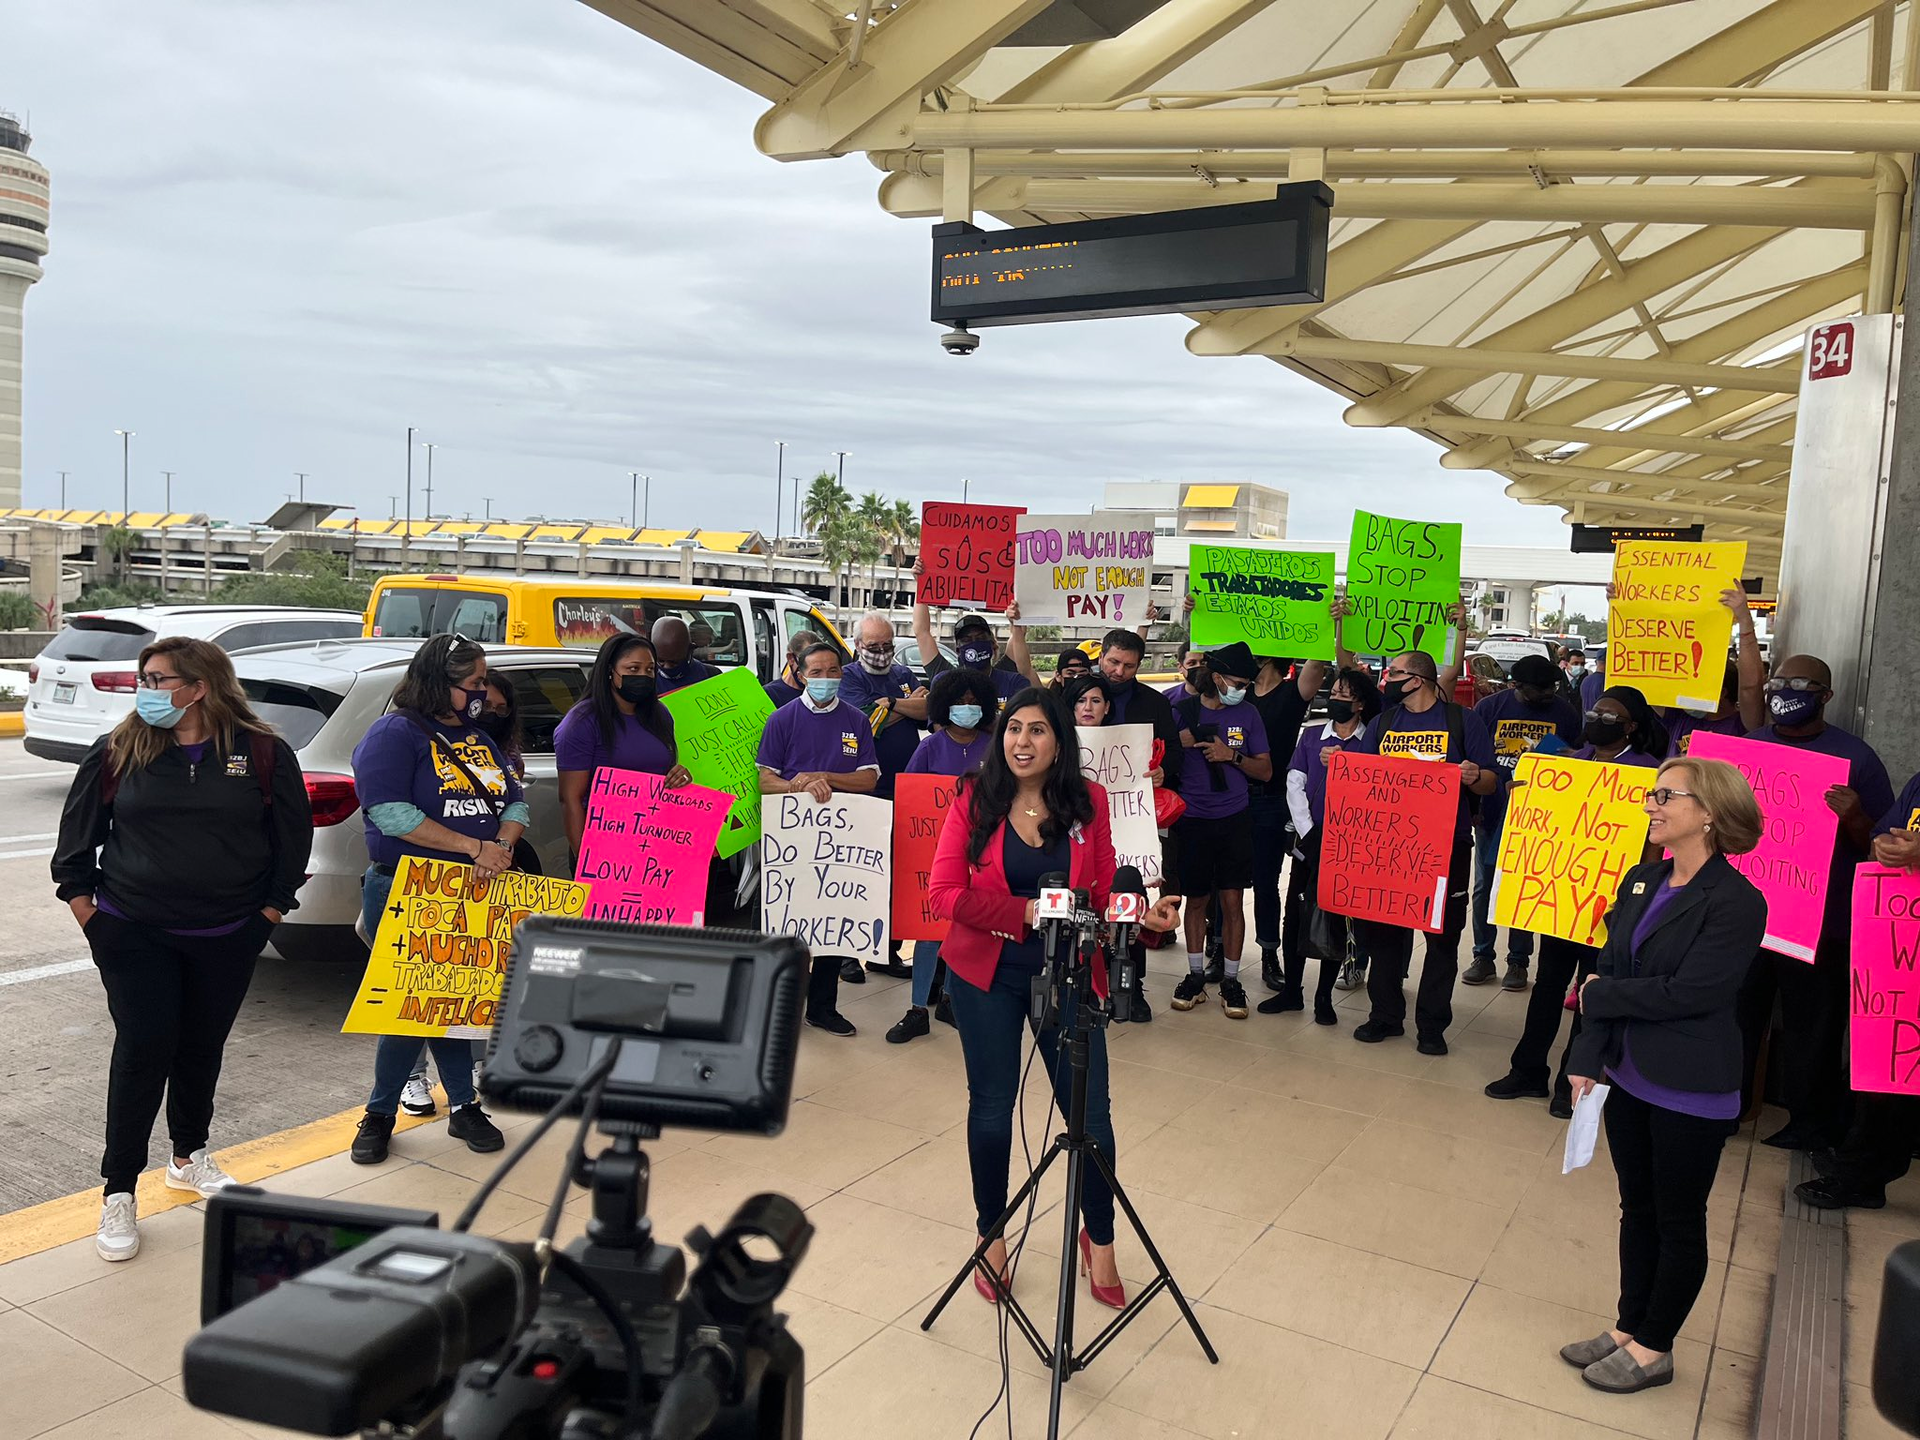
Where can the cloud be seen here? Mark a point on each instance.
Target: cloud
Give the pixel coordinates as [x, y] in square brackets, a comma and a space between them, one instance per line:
[283, 234]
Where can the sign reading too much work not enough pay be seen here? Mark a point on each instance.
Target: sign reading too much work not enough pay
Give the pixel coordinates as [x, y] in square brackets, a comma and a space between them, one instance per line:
[1573, 830]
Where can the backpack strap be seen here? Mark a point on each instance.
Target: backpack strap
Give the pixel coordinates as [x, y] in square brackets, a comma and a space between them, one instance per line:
[438, 741]
[1456, 733]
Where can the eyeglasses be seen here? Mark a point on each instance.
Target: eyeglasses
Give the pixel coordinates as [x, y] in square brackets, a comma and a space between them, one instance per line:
[1802, 683]
[1663, 796]
[152, 680]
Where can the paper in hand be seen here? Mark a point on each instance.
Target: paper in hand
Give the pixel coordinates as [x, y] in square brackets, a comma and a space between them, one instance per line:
[1583, 1131]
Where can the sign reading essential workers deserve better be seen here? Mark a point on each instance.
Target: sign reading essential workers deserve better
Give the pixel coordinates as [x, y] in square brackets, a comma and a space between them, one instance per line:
[1791, 863]
[1883, 986]
[1275, 600]
[646, 849]
[966, 554]
[1388, 839]
[1667, 632]
[1573, 830]
[717, 724]
[1402, 578]
[1090, 570]
[440, 956]
[920, 806]
[825, 872]
[1117, 757]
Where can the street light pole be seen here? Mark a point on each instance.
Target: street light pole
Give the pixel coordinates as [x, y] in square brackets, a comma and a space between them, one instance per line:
[126, 438]
[779, 486]
[841, 479]
[406, 535]
[963, 490]
[489, 500]
[169, 509]
[301, 476]
[429, 480]
[63, 488]
[646, 501]
[633, 501]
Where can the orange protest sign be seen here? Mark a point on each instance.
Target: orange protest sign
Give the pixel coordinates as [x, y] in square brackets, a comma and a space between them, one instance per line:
[920, 805]
[1388, 839]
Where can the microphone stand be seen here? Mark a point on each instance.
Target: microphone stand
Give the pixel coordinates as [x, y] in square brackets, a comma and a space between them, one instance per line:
[1080, 1011]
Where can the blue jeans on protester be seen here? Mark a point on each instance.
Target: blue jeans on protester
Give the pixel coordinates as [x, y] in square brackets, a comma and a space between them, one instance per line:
[395, 1056]
[1486, 934]
[926, 963]
[991, 1023]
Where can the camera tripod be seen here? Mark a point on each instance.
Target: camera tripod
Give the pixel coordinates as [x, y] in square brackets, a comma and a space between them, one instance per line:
[1079, 1010]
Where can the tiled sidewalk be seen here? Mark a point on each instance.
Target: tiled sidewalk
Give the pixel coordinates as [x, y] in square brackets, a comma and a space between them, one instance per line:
[1375, 1248]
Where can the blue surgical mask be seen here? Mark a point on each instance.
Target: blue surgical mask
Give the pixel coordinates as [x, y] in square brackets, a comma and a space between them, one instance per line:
[967, 717]
[1233, 696]
[1793, 707]
[824, 690]
[156, 707]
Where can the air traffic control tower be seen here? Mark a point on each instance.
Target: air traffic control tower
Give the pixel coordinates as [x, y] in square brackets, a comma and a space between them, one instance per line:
[23, 240]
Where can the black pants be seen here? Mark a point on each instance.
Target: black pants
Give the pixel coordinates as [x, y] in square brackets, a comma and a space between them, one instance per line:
[1302, 879]
[1560, 961]
[823, 987]
[1272, 839]
[173, 999]
[1665, 1162]
[1879, 1146]
[1391, 949]
[1813, 1020]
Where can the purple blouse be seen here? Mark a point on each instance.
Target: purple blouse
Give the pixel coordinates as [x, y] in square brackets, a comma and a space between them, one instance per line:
[1704, 1104]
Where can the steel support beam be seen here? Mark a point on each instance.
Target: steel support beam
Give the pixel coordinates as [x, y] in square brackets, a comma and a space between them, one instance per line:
[1778, 379]
[1571, 478]
[1149, 51]
[766, 46]
[1582, 435]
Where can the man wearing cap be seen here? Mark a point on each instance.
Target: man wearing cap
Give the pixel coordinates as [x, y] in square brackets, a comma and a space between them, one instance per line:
[1518, 718]
[973, 641]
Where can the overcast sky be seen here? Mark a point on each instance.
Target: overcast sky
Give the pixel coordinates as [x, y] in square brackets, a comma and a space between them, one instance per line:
[283, 233]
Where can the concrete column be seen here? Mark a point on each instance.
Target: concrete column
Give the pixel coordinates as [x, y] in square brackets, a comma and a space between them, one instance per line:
[206, 559]
[1892, 629]
[43, 568]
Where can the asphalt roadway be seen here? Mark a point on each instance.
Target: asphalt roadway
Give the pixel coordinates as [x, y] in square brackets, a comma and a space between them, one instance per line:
[286, 1064]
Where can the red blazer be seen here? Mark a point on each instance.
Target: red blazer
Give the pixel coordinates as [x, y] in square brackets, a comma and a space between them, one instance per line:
[982, 912]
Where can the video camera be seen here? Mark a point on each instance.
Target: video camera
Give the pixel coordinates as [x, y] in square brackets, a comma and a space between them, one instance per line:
[328, 1317]
[1074, 938]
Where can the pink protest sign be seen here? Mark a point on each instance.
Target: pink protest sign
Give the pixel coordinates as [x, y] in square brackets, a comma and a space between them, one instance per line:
[1795, 853]
[1883, 992]
[646, 849]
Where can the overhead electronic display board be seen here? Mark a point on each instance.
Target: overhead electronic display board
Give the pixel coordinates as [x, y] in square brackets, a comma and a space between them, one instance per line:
[1222, 257]
[1601, 539]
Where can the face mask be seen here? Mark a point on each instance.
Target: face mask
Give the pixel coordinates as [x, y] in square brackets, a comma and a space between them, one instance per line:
[1576, 670]
[493, 724]
[469, 702]
[1693, 712]
[636, 689]
[1394, 691]
[1794, 707]
[825, 690]
[1233, 695]
[156, 707]
[1605, 730]
[876, 661]
[1534, 696]
[967, 717]
[977, 657]
[1340, 711]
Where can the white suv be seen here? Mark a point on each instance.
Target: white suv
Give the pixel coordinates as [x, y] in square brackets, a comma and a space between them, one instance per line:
[82, 684]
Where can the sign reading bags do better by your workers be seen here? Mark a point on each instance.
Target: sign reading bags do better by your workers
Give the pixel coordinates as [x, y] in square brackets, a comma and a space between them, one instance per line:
[1082, 569]
[1403, 576]
[826, 872]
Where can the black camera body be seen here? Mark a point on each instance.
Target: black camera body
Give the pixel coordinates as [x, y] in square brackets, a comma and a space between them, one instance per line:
[398, 1327]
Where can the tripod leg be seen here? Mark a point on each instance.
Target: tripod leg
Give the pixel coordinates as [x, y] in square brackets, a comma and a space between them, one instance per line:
[977, 1260]
[1062, 1362]
[1153, 1254]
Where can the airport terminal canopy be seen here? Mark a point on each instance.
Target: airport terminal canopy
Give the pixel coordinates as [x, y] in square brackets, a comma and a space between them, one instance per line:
[1574, 242]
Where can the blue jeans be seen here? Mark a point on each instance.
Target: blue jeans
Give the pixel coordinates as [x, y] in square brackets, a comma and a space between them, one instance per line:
[1486, 934]
[396, 1055]
[991, 1022]
[926, 962]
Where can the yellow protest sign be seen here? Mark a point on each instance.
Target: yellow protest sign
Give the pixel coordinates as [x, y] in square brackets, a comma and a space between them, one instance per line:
[441, 954]
[1667, 632]
[1573, 829]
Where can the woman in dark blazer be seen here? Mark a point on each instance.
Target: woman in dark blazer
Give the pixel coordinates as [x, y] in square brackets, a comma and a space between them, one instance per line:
[1027, 814]
[1658, 1022]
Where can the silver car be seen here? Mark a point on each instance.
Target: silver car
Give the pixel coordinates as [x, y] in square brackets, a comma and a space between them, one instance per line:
[322, 697]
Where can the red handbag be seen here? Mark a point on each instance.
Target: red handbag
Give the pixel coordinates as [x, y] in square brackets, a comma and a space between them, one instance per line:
[1167, 804]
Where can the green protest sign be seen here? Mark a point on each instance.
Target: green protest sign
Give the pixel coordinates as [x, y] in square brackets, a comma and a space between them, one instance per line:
[1275, 600]
[717, 724]
[1402, 578]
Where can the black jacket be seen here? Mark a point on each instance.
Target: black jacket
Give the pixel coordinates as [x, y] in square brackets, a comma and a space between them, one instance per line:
[1147, 706]
[1678, 1011]
[187, 847]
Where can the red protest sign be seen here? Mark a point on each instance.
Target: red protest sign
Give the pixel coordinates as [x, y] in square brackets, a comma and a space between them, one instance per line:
[1388, 838]
[1883, 993]
[920, 805]
[966, 554]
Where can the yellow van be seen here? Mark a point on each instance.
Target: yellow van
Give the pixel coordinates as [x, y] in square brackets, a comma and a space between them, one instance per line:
[730, 626]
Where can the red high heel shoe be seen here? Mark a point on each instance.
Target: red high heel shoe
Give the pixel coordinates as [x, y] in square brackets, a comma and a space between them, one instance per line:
[1114, 1297]
[988, 1292]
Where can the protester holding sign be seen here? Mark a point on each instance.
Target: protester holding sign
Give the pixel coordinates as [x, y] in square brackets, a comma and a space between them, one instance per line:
[1421, 723]
[974, 643]
[1072, 661]
[1403, 586]
[819, 745]
[1667, 626]
[182, 843]
[619, 723]
[431, 783]
[1028, 814]
[894, 703]
[1282, 693]
[1814, 997]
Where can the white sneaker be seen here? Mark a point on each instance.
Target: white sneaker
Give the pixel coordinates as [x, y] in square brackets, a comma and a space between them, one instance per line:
[118, 1237]
[417, 1097]
[201, 1174]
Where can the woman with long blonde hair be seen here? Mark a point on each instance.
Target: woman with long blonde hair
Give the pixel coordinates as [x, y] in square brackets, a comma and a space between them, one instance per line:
[184, 839]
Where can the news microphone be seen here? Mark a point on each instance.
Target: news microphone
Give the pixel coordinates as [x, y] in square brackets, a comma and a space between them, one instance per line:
[1126, 910]
[1053, 912]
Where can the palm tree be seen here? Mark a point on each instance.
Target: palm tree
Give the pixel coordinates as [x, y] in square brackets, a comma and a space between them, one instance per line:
[825, 499]
[874, 514]
[902, 531]
[840, 536]
[119, 543]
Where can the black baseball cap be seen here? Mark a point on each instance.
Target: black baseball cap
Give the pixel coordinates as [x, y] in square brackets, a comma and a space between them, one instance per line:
[971, 622]
[1534, 670]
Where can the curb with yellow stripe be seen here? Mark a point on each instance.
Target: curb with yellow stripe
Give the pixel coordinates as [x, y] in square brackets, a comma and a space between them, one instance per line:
[13, 724]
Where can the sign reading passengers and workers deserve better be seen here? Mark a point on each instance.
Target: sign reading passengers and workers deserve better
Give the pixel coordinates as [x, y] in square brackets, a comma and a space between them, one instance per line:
[1117, 758]
[441, 952]
[717, 725]
[1667, 631]
[1275, 600]
[1573, 829]
[966, 554]
[1388, 839]
[1402, 578]
[920, 805]
[647, 848]
[1883, 986]
[1083, 569]
[826, 872]
[1791, 863]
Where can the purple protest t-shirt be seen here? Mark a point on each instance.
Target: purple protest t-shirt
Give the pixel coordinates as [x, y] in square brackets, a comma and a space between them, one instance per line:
[941, 754]
[1409, 733]
[1625, 757]
[578, 744]
[1868, 778]
[690, 672]
[1310, 760]
[1241, 727]
[800, 739]
[1705, 1104]
[1515, 727]
[1682, 727]
[893, 746]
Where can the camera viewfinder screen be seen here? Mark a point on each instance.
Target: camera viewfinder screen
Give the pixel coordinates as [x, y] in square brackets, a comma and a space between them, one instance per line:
[268, 1250]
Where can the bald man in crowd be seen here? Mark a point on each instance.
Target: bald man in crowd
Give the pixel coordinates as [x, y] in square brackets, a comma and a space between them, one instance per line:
[674, 664]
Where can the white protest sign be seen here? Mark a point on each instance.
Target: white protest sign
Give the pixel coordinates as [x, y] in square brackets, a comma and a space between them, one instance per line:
[826, 872]
[1082, 569]
[1117, 756]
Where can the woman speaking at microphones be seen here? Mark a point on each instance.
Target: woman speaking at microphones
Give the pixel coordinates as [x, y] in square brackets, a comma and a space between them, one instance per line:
[1028, 814]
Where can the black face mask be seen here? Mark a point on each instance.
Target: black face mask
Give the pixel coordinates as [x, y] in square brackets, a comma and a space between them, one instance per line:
[1605, 730]
[1340, 711]
[1395, 691]
[637, 689]
[1536, 697]
[494, 724]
